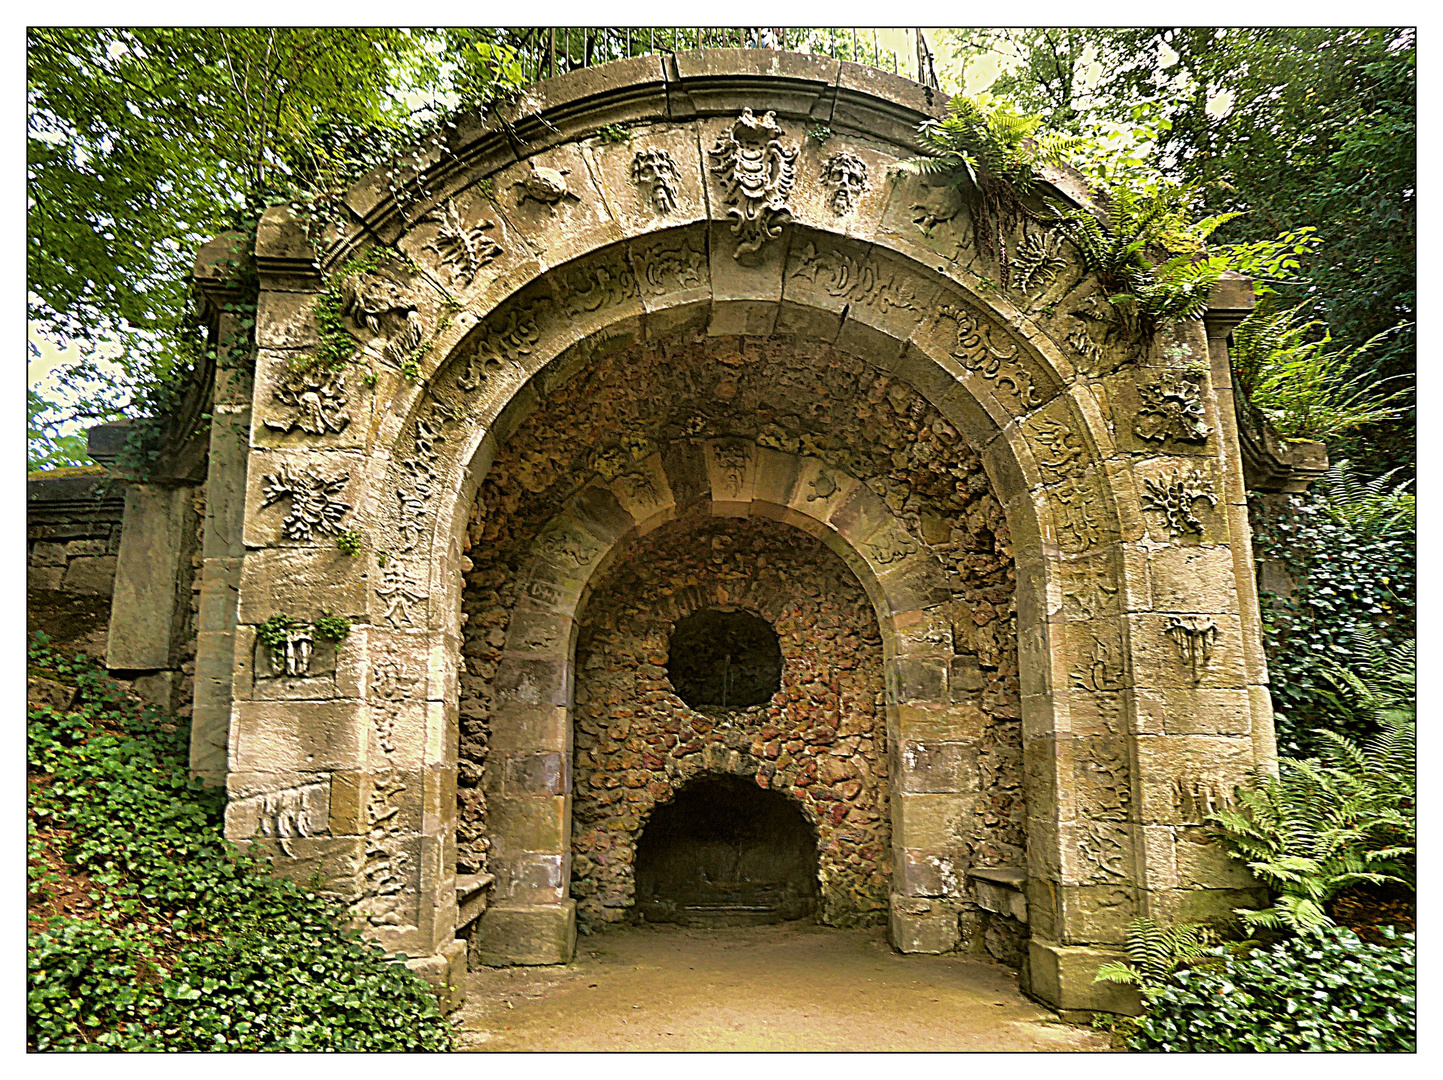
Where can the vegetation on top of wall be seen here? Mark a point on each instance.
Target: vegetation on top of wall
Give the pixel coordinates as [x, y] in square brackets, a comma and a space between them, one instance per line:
[149, 932]
[1349, 549]
[1305, 390]
[994, 155]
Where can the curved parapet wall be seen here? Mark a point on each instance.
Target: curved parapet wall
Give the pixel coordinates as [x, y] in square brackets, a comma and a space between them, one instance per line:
[723, 194]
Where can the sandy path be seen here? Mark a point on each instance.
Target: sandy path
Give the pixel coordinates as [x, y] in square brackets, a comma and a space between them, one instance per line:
[788, 987]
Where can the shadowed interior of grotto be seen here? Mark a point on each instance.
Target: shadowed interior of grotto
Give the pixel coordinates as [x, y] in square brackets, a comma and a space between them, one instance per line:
[724, 658]
[725, 852]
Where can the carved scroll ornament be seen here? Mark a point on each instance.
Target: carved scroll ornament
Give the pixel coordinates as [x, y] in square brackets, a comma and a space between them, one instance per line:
[757, 173]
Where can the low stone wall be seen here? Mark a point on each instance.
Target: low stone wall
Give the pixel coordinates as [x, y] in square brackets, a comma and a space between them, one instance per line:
[73, 521]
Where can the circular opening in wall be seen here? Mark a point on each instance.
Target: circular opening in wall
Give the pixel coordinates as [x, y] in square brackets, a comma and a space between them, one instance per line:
[725, 659]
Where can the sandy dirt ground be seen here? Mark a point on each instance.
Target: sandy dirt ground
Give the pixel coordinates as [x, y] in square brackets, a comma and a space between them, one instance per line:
[787, 987]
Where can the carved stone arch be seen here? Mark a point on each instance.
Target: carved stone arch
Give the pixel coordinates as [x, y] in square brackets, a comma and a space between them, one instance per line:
[1141, 665]
[533, 920]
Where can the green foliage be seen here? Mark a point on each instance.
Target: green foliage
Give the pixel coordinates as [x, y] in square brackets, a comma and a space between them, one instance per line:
[994, 155]
[1325, 991]
[144, 143]
[186, 945]
[349, 541]
[1130, 254]
[1349, 547]
[614, 133]
[819, 133]
[1295, 126]
[1155, 953]
[272, 632]
[1305, 391]
[47, 447]
[332, 627]
[1328, 823]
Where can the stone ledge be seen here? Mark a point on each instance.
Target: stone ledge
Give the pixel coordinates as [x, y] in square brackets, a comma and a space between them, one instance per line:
[471, 897]
[1000, 890]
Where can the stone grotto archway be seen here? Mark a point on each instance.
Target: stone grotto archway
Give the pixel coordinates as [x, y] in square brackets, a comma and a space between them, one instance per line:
[477, 294]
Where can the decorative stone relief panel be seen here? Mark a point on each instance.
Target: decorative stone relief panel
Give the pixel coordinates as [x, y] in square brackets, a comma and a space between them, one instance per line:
[846, 174]
[314, 506]
[757, 171]
[317, 397]
[1171, 408]
[1176, 497]
[464, 249]
[403, 594]
[655, 171]
[384, 308]
[854, 281]
[1037, 262]
[1194, 636]
[987, 353]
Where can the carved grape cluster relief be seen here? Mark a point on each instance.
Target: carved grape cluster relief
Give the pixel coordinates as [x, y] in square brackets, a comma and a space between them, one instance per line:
[757, 173]
[1194, 636]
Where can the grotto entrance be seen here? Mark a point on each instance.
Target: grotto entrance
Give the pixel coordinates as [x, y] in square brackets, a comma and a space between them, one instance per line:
[726, 852]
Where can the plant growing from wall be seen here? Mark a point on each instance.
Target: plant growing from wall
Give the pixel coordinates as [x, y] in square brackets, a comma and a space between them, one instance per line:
[1155, 953]
[272, 633]
[349, 541]
[993, 155]
[1150, 258]
[333, 628]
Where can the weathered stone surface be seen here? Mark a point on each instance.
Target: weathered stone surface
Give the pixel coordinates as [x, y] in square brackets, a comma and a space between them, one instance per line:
[909, 403]
[529, 934]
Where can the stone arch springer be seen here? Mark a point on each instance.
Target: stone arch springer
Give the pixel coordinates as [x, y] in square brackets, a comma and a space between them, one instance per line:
[1136, 649]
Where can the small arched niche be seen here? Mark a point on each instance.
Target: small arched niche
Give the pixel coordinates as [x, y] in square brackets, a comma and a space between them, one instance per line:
[726, 852]
[724, 660]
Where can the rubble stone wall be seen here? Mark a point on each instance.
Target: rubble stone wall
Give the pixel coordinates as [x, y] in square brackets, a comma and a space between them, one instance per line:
[821, 739]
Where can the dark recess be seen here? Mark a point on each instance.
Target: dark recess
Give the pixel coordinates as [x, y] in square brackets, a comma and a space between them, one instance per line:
[726, 659]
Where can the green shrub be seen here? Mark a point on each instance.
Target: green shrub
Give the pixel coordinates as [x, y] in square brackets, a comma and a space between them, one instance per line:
[1325, 991]
[1349, 546]
[1327, 824]
[185, 944]
[1305, 391]
[1155, 953]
